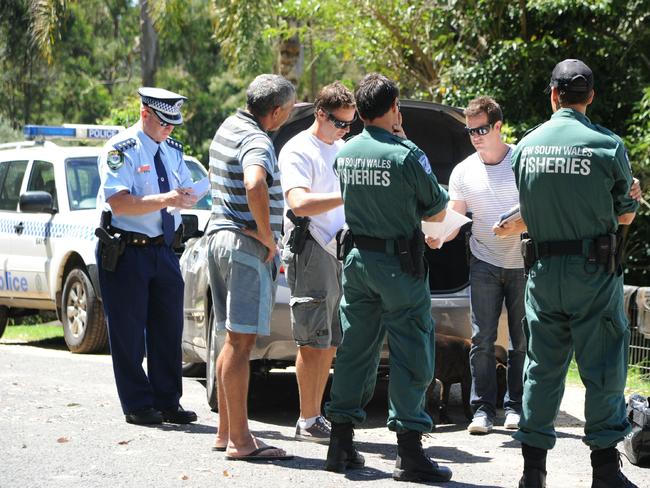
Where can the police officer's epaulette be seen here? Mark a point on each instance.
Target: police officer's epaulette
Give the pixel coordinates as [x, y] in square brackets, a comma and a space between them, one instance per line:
[175, 144]
[125, 144]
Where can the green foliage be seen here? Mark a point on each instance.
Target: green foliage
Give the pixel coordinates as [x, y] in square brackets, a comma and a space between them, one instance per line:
[8, 133]
[638, 145]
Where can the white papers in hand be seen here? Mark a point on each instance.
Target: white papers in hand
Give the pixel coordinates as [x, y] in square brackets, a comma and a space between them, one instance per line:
[441, 230]
[199, 188]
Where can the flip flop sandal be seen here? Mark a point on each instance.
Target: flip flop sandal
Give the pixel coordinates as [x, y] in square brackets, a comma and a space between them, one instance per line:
[257, 455]
[219, 448]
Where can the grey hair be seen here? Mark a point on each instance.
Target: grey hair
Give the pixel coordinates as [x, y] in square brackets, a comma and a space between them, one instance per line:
[267, 92]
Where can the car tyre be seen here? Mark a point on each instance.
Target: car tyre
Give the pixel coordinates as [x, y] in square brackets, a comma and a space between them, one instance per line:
[193, 370]
[210, 364]
[84, 328]
[4, 317]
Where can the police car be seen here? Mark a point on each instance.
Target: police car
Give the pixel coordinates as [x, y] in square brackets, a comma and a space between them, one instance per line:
[48, 217]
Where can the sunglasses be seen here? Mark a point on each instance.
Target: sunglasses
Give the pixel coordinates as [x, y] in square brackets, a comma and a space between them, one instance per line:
[160, 121]
[478, 131]
[340, 124]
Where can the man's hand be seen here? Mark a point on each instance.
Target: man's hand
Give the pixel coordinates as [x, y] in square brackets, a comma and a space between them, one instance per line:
[432, 242]
[512, 228]
[398, 130]
[635, 190]
[267, 240]
[181, 198]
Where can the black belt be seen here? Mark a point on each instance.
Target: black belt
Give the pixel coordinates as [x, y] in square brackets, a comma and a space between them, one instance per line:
[375, 244]
[142, 240]
[560, 248]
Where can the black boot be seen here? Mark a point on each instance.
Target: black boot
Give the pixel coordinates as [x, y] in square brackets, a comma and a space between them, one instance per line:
[341, 453]
[534, 467]
[412, 463]
[606, 464]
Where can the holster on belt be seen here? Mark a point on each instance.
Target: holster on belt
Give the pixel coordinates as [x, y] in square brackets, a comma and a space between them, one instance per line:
[111, 246]
[411, 254]
[528, 252]
[299, 233]
[344, 243]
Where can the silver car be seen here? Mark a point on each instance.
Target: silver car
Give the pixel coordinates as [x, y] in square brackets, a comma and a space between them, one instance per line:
[436, 129]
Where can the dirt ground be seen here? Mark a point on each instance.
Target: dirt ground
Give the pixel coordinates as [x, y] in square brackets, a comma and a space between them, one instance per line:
[61, 426]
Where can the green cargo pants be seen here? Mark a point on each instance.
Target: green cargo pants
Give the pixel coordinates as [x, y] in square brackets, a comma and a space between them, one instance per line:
[379, 299]
[573, 306]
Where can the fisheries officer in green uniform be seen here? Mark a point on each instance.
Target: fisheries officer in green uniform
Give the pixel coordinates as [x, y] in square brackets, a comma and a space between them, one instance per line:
[388, 188]
[574, 181]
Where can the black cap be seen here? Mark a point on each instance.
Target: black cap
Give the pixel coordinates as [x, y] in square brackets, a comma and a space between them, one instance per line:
[572, 75]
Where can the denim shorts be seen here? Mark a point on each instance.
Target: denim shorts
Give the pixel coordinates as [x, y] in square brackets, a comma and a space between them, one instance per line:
[243, 285]
[314, 279]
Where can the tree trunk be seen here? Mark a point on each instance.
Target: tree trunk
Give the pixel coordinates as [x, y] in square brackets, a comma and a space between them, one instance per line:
[148, 46]
[291, 59]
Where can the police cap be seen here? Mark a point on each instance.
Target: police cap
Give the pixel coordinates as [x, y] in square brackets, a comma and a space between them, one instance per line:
[572, 75]
[166, 104]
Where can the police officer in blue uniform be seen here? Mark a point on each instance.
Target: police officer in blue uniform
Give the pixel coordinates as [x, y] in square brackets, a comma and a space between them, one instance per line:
[144, 184]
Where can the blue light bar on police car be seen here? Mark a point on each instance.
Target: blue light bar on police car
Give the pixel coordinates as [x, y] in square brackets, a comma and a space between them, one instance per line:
[71, 131]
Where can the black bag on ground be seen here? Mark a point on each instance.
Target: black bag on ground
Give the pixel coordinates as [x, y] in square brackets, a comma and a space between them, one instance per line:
[637, 443]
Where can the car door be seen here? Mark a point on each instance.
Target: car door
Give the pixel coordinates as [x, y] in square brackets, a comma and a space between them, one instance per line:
[31, 257]
[12, 281]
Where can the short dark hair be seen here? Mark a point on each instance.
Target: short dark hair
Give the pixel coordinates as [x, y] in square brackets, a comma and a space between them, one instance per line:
[484, 105]
[267, 92]
[375, 95]
[334, 96]
[573, 98]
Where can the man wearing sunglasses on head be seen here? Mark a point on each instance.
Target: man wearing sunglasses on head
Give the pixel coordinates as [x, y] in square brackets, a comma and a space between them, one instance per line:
[484, 184]
[143, 176]
[313, 216]
[388, 188]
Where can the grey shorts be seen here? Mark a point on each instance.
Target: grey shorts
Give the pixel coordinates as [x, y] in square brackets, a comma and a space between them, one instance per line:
[314, 279]
[243, 285]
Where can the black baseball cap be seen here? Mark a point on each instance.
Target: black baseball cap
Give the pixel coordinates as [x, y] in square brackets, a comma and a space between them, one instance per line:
[572, 75]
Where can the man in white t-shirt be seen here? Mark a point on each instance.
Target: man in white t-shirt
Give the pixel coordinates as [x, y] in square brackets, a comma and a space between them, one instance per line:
[313, 195]
[484, 184]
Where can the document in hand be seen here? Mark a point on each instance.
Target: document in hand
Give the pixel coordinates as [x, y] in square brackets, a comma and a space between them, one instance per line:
[440, 230]
[510, 216]
[199, 188]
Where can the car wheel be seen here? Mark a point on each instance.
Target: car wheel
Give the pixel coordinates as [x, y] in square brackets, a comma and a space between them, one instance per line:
[193, 370]
[210, 364]
[4, 316]
[82, 316]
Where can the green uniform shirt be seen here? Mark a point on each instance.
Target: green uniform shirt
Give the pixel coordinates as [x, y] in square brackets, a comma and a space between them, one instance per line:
[387, 185]
[574, 179]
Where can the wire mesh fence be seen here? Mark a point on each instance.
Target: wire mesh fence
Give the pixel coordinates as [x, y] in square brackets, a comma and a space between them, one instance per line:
[637, 301]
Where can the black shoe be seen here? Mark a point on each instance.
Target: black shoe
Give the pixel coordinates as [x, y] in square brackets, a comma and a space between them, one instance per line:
[412, 464]
[610, 475]
[178, 415]
[146, 416]
[342, 454]
[533, 478]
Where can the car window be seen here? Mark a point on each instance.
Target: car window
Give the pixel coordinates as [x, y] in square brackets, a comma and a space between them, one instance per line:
[197, 173]
[42, 179]
[82, 176]
[11, 177]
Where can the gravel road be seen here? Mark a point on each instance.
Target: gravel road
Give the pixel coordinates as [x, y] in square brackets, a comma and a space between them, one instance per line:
[61, 426]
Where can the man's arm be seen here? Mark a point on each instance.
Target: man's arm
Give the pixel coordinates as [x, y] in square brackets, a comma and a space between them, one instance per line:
[257, 194]
[123, 203]
[304, 203]
[626, 218]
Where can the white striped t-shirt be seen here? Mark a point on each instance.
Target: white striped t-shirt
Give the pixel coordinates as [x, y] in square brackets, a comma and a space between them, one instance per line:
[488, 190]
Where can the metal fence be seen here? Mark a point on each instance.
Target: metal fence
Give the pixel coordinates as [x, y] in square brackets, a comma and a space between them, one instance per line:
[639, 315]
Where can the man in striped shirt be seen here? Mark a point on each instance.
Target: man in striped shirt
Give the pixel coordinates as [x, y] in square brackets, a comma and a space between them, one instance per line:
[244, 227]
[484, 184]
